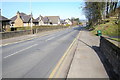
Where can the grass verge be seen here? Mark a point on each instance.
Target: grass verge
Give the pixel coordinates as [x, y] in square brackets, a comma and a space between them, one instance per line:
[110, 29]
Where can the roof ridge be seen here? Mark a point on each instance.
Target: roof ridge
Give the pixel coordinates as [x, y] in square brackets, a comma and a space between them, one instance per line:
[51, 16]
[23, 13]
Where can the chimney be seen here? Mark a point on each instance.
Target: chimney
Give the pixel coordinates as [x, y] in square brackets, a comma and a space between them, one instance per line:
[40, 17]
[18, 14]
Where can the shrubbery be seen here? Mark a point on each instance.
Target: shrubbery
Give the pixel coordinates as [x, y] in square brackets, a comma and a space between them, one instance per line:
[38, 27]
[67, 24]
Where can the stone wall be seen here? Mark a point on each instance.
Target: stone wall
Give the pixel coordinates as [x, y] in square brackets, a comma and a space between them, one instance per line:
[11, 34]
[112, 53]
[6, 35]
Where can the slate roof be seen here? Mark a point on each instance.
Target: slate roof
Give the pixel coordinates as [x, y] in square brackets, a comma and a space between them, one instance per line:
[53, 19]
[2, 18]
[37, 19]
[24, 17]
[45, 19]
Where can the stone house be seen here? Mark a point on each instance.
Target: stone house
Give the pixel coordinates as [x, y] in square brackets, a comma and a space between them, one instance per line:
[21, 20]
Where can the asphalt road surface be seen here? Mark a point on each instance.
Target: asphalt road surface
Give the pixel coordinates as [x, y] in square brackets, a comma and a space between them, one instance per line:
[36, 58]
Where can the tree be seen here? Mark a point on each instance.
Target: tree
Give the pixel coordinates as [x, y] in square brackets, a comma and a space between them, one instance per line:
[95, 12]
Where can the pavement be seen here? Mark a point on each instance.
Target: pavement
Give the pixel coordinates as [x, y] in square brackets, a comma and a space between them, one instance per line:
[86, 63]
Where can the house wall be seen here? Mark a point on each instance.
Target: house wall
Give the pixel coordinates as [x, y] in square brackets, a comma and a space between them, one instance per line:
[58, 21]
[5, 26]
[29, 24]
[41, 23]
[26, 24]
[53, 24]
[18, 22]
[68, 22]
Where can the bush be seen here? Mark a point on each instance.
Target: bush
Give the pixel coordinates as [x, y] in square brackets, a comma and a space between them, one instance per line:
[67, 24]
[38, 27]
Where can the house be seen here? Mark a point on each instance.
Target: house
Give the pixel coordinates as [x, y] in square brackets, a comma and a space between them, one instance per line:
[62, 22]
[68, 21]
[21, 20]
[47, 20]
[4, 24]
[52, 20]
[39, 21]
[65, 22]
[75, 22]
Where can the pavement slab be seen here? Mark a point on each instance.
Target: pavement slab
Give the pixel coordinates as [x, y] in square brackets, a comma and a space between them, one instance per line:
[86, 63]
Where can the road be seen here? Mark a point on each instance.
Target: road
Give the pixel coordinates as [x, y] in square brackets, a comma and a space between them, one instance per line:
[36, 58]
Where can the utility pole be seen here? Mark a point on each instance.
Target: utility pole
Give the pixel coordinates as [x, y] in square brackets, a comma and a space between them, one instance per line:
[31, 24]
[31, 17]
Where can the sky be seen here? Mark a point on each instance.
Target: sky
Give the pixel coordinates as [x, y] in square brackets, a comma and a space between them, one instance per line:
[62, 9]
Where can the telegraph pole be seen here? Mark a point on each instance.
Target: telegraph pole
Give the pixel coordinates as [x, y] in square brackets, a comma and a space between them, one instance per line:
[31, 23]
[31, 17]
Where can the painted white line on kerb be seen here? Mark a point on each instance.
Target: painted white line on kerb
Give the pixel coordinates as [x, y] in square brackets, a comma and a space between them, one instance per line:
[21, 50]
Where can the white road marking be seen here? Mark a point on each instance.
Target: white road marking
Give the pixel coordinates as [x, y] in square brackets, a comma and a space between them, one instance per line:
[21, 50]
[49, 38]
[53, 37]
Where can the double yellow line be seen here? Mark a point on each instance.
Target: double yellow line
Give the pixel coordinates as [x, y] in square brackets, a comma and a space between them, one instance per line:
[52, 75]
